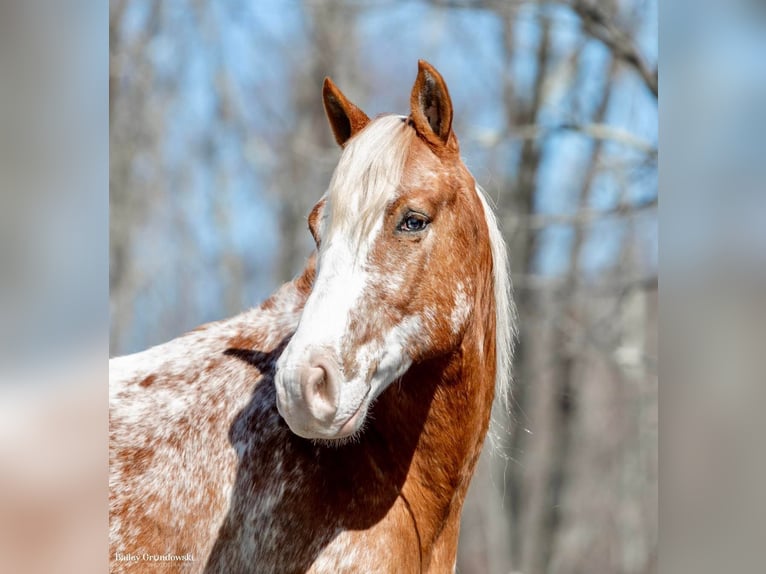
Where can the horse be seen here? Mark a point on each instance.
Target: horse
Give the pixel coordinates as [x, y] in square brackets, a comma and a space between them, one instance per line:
[336, 427]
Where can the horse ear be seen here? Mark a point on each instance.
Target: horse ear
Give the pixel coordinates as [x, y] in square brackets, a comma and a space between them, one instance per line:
[345, 118]
[431, 106]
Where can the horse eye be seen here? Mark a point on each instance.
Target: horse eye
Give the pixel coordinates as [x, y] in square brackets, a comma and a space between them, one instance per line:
[413, 222]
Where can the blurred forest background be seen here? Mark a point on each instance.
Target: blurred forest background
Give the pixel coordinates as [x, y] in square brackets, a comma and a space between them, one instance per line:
[219, 148]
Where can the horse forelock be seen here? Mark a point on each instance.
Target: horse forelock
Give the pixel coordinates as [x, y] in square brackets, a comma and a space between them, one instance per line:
[367, 177]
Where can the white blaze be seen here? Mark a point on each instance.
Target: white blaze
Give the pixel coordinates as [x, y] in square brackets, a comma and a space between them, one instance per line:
[365, 181]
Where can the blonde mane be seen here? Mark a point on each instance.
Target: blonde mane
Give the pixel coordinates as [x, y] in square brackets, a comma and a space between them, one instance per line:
[505, 309]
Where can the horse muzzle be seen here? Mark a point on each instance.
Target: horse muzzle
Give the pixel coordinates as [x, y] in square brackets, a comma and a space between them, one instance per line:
[309, 398]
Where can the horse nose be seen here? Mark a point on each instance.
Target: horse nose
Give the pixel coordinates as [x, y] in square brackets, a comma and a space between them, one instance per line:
[319, 388]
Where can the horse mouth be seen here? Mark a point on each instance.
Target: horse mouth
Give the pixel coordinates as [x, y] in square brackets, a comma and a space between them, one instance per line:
[312, 428]
[354, 422]
[348, 429]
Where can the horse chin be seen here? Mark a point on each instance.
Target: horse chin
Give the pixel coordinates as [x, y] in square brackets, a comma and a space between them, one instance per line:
[349, 433]
[335, 434]
[353, 426]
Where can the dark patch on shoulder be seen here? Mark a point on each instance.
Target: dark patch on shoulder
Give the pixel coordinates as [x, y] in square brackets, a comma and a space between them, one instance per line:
[264, 361]
[258, 359]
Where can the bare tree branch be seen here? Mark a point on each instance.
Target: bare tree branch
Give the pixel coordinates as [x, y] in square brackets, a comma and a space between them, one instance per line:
[598, 24]
[536, 282]
[581, 217]
[597, 131]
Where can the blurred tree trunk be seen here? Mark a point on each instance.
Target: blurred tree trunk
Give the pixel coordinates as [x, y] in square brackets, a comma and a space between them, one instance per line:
[129, 131]
[528, 493]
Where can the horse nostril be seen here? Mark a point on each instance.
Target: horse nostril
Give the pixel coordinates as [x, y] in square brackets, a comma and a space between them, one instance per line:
[316, 378]
[316, 381]
[319, 392]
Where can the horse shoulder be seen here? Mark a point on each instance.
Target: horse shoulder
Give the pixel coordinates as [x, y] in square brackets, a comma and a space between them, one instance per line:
[172, 465]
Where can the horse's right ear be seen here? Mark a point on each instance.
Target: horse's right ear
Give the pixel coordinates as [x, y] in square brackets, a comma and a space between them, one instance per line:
[345, 118]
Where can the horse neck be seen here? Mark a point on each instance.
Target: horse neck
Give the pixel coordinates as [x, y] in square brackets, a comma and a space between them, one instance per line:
[438, 417]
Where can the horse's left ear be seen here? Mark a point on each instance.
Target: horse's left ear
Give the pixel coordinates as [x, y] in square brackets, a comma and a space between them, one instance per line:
[345, 118]
[431, 107]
